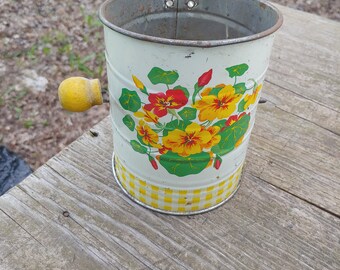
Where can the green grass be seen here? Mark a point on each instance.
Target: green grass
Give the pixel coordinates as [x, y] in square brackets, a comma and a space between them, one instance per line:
[28, 123]
[18, 112]
[91, 65]
[45, 123]
[91, 20]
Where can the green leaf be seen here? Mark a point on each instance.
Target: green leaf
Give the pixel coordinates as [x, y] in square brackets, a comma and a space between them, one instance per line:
[175, 124]
[130, 100]
[188, 114]
[183, 166]
[240, 88]
[128, 121]
[185, 90]
[144, 91]
[241, 106]
[220, 123]
[197, 90]
[158, 75]
[231, 135]
[238, 70]
[138, 147]
[215, 91]
[140, 138]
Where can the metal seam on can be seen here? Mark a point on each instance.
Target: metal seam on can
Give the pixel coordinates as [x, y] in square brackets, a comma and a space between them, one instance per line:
[177, 206]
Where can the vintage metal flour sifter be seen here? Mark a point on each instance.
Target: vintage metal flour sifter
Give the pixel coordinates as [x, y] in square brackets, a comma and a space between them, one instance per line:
[184, 80]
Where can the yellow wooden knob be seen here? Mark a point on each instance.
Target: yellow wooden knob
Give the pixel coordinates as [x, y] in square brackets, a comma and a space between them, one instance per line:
[78, 94]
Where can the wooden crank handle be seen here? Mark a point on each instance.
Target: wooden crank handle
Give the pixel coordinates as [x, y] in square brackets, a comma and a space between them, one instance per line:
[78, 94]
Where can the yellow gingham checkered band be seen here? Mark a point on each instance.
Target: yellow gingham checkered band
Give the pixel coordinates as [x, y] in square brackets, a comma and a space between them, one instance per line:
[174, 200]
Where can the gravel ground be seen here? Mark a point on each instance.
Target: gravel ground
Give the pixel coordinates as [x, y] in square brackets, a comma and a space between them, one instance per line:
[325, 8]
[43, 42]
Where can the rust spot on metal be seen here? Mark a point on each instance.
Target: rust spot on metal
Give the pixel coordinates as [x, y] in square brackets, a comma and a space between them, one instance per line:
[262, 5]
[190, 55]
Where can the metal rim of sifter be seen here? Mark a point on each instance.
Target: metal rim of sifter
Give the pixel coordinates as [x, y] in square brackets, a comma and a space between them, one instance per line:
[194, 43]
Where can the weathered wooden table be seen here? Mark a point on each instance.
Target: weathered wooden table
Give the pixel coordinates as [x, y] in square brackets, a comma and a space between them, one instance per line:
[70, 214]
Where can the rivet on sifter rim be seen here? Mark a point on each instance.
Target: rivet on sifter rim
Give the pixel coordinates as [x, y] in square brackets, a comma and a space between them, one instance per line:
[169, 3]
[191, 4]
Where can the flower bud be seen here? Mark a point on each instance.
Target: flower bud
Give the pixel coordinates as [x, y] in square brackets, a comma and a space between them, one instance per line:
[218, 162]
[205, 78]
[153, 162]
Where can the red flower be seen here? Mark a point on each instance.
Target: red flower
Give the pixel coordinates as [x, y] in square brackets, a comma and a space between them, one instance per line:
[205, 78]
[161, 102]
[233, 119]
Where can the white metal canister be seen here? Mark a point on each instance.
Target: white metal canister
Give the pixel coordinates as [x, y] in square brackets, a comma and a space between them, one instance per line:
[184, 80]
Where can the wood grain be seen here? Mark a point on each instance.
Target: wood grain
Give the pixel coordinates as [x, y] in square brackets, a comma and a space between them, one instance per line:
[305, 58]
[266, 229]
[295, 144]
[285, 215]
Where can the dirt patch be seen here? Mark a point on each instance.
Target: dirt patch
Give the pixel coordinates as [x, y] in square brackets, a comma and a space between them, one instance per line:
[325, 8]
[43, 42]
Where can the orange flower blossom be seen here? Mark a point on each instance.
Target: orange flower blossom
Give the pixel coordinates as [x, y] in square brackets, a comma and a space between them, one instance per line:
[149, 136]
[147, 115]
[188, 142]
[251, 99]
[221, 106]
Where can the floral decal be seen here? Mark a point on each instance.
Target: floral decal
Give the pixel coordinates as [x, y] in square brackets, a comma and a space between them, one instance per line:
[186, 142]
[220, 105]
[160, 103]
[187, 132]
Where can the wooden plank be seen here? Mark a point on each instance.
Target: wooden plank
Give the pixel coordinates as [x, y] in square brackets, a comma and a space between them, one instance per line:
[296, 155]
[306, 57]
[302, 107]
[12, 236]
[295, 144]
[261, 228]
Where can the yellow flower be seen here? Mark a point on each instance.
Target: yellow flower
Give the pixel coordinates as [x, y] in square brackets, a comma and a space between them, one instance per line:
[215, 139]
[149, 137]
[138, 83]
[206, 91]
[147, 115]
[211, 107]
[251, 99]
[188, 142]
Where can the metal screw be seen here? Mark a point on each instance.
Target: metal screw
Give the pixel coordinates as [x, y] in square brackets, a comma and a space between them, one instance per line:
[169, 3]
